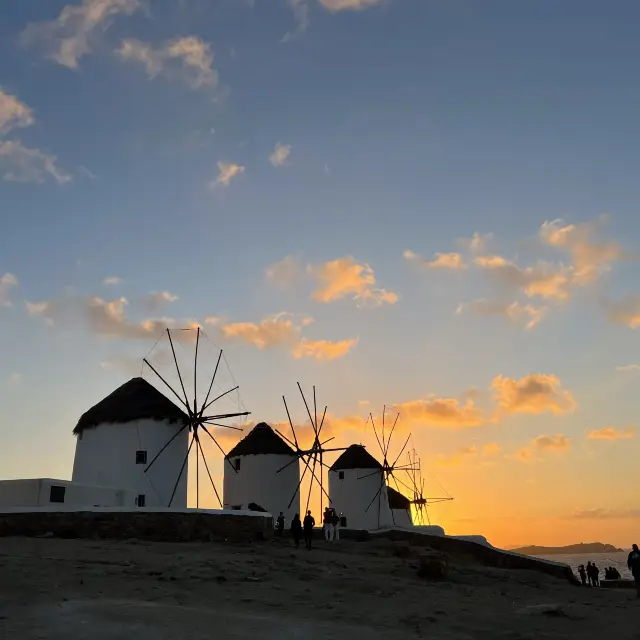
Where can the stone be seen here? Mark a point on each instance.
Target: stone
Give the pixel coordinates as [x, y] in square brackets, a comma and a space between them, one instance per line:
[433, 565]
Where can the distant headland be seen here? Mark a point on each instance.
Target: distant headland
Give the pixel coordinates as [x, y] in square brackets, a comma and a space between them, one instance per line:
[578, 549]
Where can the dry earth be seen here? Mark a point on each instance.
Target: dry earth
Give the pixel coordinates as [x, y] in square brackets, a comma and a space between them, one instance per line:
[100, 590]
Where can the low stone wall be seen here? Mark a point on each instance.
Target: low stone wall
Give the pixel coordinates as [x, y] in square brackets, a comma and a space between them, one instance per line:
[161, 526]
[487, 556]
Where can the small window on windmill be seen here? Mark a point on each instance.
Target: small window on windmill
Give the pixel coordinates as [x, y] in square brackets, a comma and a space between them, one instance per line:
[236, 464]
[141, 457]
[56, 493]
[341, 475]
[141, 500]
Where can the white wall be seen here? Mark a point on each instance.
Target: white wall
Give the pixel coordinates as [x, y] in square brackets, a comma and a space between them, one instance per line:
[36, 492]
[258, 481]
[402, 518]
[106, 456]
[352, 495]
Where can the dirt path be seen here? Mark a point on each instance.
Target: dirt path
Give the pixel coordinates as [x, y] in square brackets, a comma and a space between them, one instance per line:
[80, 589]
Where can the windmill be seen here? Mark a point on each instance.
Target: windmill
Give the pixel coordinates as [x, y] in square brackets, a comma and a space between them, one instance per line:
[314, 454]
[387, 472]
[419, 502]
[199, 409]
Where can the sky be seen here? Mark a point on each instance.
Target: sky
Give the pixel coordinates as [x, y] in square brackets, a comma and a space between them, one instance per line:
[426, 205]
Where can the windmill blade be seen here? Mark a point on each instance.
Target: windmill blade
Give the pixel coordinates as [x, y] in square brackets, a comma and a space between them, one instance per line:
[311, 483]
[184, 463]
[219, 447]
[326, 441]
[315, 409]
[377, 494]
[402, 450]
[290, 422]
[395, 422]
[222, 395]
[324, 413]
[175, 359]
[373, 473]
[197, 472]
[375, 432]
[384, 442]
[314, 477]
[288, 464]
[206, 466]
[219, 424]
[166, 445]
[180, 400]
[308, 412]
[295, 493]
[292, 444]
[195, 377]
[213, 377]
[223, 416]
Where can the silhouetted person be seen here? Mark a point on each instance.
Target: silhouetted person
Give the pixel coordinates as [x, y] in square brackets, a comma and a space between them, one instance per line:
[596, 573]
[336, 524]
[616, 574]
[280, 524]
[296, 529]
[583, 574]
[308, 525]
[633, 562]
[607, 573]
[590, 573]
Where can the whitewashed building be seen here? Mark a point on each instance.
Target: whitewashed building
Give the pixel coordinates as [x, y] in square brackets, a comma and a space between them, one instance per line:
[355, 479]
[400, 507]
[120, 436]
[252, 475]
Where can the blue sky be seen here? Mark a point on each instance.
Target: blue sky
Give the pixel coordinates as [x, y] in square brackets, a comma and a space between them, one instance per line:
[402, 125]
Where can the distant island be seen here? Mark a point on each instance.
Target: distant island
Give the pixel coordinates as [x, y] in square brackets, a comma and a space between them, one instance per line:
[577, 549]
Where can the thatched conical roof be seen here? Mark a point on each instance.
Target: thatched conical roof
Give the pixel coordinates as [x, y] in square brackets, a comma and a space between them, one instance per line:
[397, 500]
[355, 457]
[134, 400]
[261, 440]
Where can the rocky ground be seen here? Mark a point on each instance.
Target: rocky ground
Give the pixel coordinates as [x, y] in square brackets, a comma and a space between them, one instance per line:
[85, 589]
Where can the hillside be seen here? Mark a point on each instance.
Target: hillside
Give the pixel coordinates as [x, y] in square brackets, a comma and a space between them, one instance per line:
[579, 549]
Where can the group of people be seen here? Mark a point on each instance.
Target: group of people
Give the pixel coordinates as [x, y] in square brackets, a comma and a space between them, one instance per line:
[304, 528]
[611, 573]
[590, 574]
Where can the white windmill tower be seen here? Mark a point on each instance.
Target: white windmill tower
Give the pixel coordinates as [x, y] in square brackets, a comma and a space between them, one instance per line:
[110, 450]
[253, 474]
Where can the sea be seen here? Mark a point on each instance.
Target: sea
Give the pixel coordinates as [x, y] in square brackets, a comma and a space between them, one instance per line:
[602, 560]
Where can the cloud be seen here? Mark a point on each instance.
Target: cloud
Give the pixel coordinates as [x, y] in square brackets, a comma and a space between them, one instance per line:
[453, 261]
[609, 433]
[72, 35]
[515, 311]
[346, 278]
[105, 318]
[284, 273]
[589, 258]
[628, 367]
[535, 393]
[280, 154]
[272, 331]
[112, 281]
[554, 444]
[463, 454]
[300, 9]
[605, 514]
[22, 164]
[192, 53]
[477, 244]
[626, 311]
[7, 282]
[541, 280]
[157, 299]
[280, 330]
[491, 449]
[440, 412]
[348, 5]
[13, 113]
[227, 171]
[323, 349]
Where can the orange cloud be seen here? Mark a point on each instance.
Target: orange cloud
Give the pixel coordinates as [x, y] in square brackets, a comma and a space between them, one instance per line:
[272, 331]
[344, 277]
[555, 444]
[441, 261]
[626, 311]
[491, 449]
[515, 311]
[227, 171]
[536, 393]
[459, 457]
[609, 433]
[323, 349]
[605, 514]
[440, 412]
